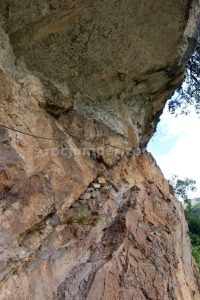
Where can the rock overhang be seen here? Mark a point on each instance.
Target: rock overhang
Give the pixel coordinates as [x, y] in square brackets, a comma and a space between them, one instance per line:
[118, 61]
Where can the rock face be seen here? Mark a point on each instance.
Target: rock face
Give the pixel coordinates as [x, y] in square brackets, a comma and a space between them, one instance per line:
[85, 211]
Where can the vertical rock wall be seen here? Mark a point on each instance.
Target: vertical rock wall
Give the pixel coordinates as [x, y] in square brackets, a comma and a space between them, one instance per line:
[85, 213]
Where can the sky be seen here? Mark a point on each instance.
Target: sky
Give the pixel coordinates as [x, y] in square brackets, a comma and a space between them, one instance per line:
[176, 146]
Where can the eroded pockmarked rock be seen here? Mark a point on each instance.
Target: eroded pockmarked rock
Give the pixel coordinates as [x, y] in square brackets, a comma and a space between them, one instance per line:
[85, 213]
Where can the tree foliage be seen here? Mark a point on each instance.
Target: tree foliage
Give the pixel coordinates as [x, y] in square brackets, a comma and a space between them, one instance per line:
[193, 220]
[189, 93]
[181, 188]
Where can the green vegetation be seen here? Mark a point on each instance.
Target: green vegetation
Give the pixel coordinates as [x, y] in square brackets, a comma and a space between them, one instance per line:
[193, 220]
[83, 217]
[182, 187]
[192, 212]
[189, 93]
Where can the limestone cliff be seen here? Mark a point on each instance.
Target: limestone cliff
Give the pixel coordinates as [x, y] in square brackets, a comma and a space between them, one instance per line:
[85, 212]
